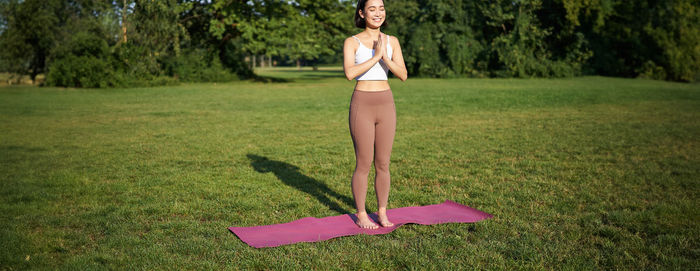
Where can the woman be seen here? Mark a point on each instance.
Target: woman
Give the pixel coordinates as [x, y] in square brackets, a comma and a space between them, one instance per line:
[367, 57]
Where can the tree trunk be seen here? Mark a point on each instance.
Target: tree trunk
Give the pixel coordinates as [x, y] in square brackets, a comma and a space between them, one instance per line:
[314, 64]
[124, 22]
[298, 64]
[262, 61]
[269, 59]
[254, 58]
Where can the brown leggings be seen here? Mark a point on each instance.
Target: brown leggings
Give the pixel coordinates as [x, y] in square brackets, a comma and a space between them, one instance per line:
[372, 121]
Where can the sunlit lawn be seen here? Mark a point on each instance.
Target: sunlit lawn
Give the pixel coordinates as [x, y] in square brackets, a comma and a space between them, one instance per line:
[581, 173]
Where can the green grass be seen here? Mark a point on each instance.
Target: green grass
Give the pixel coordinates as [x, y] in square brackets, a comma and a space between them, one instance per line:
[580, 174]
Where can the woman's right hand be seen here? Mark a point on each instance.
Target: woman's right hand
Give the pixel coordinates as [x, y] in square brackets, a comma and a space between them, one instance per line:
[378, 52]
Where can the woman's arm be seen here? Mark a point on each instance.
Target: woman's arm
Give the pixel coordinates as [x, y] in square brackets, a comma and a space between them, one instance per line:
[396, 63]
[351, 69]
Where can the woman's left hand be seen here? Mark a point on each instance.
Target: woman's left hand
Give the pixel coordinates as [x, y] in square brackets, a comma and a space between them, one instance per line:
[385, 42]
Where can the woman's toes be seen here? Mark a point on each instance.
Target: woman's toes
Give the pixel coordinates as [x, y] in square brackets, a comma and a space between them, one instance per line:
[371, 227]
[384, 220]
[386, 223]
[367, 225]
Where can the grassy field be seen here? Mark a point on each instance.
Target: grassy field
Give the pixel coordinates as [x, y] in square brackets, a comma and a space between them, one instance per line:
[580, 174]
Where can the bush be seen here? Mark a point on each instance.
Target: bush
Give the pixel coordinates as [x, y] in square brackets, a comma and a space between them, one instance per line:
[651, 71]
[197, 66]
[81, 71]
[83, 61]
[86, 61]
[135, 62]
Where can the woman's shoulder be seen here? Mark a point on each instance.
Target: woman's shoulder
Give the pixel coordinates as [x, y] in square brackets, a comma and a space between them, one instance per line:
[355, 37]
[393, 38]
[351, 41]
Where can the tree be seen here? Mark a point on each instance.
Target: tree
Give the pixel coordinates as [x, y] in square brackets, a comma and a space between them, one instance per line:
[29, 33]
[330, 25]
[675, 28]
[295, 29]
[157, 25]
[647, 38]
[33, 28]
[497, 38]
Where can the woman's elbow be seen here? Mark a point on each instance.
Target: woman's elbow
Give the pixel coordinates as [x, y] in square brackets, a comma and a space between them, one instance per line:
[403, 78]
[347, 75]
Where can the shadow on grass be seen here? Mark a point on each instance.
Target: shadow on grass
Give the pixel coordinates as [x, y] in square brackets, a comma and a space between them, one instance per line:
[290, 175]
[270, 79]
[288, 76]
[321, 76]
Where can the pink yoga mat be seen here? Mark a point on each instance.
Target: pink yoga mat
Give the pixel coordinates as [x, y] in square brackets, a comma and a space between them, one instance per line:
[311, 229]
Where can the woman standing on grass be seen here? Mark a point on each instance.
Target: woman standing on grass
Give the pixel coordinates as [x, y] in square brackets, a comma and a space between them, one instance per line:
[367, 57]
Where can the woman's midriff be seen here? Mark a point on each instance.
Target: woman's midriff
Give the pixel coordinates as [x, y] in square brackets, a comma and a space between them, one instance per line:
[372, 85]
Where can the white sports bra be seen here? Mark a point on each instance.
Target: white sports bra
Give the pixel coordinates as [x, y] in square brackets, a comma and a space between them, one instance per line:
[379, 70]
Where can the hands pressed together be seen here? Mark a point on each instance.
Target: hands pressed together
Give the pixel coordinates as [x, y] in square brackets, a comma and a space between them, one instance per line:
[380, 47]
[394, 62]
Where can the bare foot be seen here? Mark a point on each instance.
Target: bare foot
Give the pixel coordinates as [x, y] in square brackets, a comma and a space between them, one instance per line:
[383, 219]
[364, 222]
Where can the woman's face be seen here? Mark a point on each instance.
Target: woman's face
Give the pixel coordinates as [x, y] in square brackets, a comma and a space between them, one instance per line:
[374, 13]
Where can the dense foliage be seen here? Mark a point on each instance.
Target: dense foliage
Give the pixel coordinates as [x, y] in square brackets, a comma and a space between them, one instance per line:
[88, 43]
[525, 38]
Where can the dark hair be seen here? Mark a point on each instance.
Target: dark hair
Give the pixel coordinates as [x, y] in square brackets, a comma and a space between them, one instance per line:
[360, 22]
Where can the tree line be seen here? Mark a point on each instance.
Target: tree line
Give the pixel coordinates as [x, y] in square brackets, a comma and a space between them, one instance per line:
[114, 43]
[631, 38]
